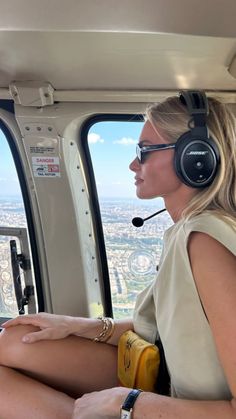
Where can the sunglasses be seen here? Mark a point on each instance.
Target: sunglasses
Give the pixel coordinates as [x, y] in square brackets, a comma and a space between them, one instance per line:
[143, 151]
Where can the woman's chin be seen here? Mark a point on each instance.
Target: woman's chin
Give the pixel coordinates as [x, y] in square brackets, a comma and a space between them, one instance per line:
[145, 195]
[142, 195]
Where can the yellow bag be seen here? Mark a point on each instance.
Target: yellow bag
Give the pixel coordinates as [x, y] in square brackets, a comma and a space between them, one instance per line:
[138, 362]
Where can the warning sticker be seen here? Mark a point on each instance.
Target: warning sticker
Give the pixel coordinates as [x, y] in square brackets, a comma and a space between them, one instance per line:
[46, 166]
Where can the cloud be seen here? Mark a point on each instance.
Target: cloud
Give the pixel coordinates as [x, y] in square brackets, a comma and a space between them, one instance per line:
[94, 138]
[126, 141]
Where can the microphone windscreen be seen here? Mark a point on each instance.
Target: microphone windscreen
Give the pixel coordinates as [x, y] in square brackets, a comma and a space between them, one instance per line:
[137, 222]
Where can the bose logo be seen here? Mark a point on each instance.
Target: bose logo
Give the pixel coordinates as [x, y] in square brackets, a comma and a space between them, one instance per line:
[197, 153]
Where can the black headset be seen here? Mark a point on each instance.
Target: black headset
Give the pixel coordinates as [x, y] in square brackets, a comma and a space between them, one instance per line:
[196, 154]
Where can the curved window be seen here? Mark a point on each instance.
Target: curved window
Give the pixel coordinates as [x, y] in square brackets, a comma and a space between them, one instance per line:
[15, 264]
[132, 253]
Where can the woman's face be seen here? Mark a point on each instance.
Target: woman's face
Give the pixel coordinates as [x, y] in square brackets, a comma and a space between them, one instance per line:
[155, 177]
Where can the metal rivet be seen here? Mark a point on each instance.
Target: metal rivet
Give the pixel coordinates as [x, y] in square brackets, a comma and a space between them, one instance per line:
[49, 128]
[82, 190]
[27, 128]
[39, 128]
[71, 143]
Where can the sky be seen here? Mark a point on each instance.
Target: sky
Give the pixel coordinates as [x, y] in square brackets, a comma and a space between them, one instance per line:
[9, 184]
[112, 146]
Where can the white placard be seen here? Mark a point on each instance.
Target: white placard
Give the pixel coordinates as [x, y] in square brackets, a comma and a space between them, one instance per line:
[46, 166]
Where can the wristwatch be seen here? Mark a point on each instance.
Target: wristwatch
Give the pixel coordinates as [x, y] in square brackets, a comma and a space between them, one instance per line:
[127, 407]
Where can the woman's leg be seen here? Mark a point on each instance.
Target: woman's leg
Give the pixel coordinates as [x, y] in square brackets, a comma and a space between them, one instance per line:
[23, 397]
[73, 365]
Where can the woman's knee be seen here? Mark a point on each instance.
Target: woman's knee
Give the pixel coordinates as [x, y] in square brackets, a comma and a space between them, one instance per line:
[12, 349]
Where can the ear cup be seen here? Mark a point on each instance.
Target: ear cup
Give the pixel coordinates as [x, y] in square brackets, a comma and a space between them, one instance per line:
[196, 160]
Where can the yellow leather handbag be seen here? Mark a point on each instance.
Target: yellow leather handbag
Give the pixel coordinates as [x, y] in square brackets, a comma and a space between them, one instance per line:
[138, 362]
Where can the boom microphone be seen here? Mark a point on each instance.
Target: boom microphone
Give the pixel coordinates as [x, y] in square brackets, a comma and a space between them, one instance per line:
[138, 221]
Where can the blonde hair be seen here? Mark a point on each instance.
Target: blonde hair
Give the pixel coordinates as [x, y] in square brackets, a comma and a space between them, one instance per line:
[172, 118]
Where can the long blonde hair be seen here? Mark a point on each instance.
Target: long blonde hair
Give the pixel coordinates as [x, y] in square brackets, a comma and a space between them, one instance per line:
[172, 118]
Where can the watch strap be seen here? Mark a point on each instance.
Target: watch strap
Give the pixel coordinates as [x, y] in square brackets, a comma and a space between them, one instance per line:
[127, 406]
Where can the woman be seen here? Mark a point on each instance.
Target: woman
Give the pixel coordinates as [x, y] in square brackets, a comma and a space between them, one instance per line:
[191, 305]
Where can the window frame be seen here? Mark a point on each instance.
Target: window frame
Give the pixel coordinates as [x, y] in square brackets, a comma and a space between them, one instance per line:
[8, 105]
[92, 187]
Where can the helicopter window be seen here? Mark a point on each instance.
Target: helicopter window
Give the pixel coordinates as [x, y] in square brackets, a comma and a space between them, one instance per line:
[132, 253]
[16, 282]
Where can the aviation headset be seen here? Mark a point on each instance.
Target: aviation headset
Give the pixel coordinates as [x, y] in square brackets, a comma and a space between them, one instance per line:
[197, 156]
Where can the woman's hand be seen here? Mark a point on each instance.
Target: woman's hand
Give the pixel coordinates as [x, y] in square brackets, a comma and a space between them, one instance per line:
[55, 326]
[52, 326]
[103, 404]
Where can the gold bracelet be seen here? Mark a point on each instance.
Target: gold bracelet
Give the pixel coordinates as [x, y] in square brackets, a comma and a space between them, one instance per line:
[102, 335]
[111, 331]
[107, 330]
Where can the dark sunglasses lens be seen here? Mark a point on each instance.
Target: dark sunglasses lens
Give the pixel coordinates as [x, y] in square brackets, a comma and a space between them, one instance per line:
[139, 153]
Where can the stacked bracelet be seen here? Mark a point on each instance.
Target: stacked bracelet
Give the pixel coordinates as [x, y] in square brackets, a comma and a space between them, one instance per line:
[107, 329]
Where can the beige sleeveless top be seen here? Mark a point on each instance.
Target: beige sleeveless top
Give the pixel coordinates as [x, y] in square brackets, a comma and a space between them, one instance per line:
[170, 307]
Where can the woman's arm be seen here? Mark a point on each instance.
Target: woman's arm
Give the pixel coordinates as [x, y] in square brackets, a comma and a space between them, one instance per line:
[149, 406]
[106, 404]
[53, 326]
[214, 271]
[121, 326]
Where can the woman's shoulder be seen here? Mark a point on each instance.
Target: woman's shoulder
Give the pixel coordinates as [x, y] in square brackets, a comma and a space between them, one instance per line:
[218, 226]
[208, 219]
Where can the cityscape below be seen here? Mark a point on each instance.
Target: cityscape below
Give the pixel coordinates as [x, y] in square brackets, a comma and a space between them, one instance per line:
[132, 253]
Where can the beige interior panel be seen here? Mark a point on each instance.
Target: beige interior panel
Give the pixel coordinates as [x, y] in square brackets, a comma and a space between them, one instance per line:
[77, 60]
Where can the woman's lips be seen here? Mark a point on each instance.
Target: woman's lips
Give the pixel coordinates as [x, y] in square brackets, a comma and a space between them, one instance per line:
[138, 181]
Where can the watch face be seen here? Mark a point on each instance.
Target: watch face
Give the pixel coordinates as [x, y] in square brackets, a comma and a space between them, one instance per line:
[125, 414]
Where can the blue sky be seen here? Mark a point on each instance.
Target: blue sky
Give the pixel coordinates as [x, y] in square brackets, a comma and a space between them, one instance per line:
[9, 184]
[112, 147]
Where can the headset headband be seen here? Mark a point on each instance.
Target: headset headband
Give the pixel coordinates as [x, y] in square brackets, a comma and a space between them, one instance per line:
[197, 106]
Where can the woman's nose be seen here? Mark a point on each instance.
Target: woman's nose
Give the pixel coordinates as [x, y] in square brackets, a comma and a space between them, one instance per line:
[134, 165]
